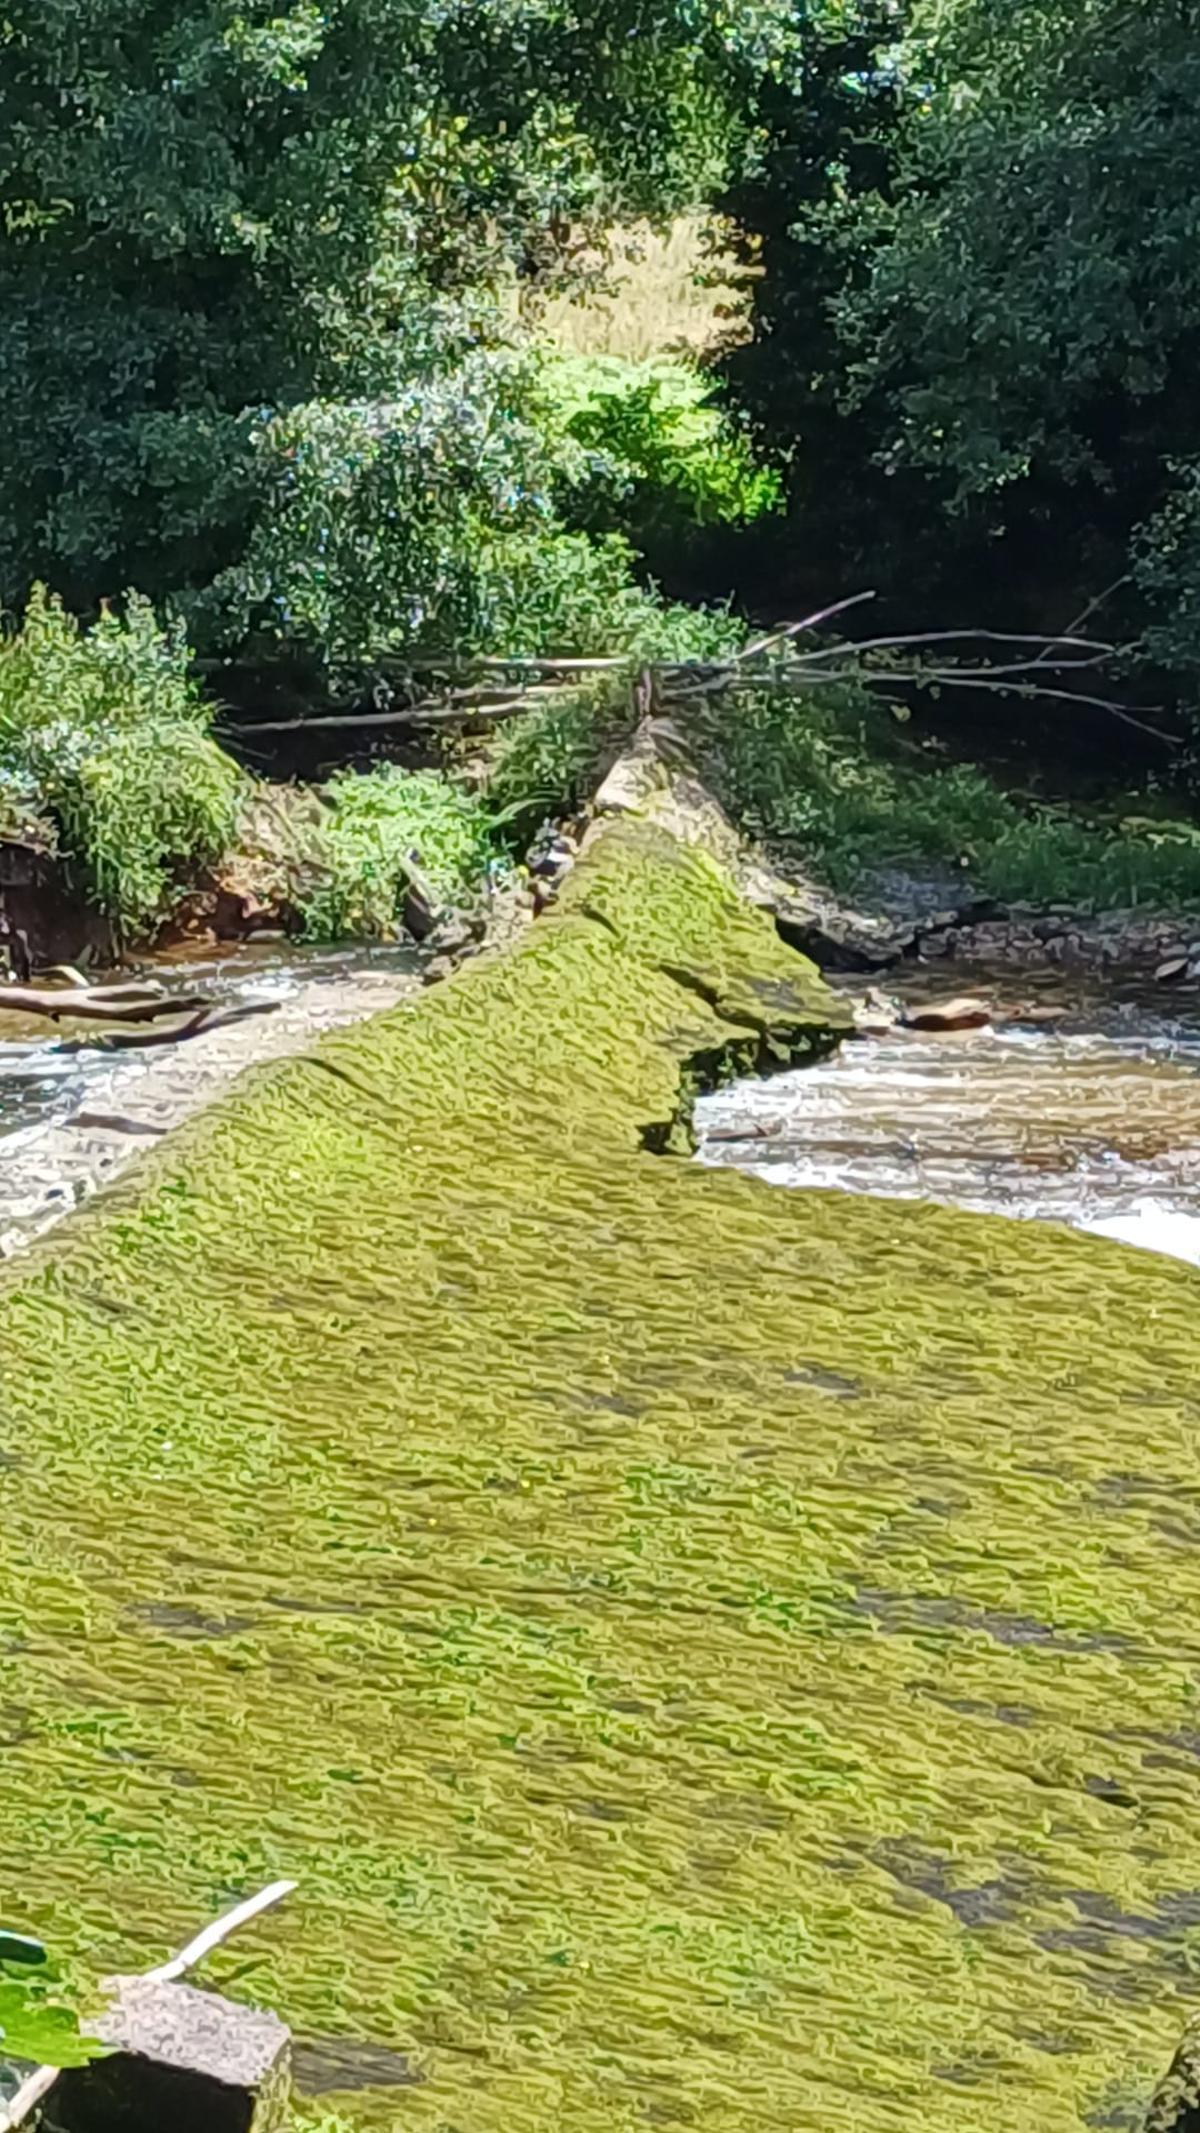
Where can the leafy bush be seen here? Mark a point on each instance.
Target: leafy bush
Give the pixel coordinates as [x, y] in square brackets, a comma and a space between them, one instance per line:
[35, 2023]
[828, 773]
[381, 822]
[655, 452]
[548, 761]
[430, 524]
[1167, 571]
[104, 731]
[259, 213]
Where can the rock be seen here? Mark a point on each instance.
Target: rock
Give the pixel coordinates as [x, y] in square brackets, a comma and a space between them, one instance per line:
[939, 922]
[453, 937]
[421, 910]
[442, 966]
[982, 911]
[830, 944]
[876, 1015]
[181, 2058]
[553, 855]
[1175, 967]
[949, 1015]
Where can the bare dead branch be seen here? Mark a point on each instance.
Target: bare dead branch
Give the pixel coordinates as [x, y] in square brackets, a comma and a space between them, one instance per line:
[202, 1024]
[436, 713]
[809, 622]
[553, 666]
[1100, 601]
[900, 643]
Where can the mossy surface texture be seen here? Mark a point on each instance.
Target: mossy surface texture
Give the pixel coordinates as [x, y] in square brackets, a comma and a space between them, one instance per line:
[710, 1656]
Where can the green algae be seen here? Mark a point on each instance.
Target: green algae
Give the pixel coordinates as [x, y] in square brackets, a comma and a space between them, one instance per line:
[710, 1655]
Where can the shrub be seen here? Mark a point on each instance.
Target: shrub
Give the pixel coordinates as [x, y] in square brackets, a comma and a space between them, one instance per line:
[1167, 571]
[104, 731]
[548, 761]
[381, 822]
[829, 773]
[655, 453]
[430, 525]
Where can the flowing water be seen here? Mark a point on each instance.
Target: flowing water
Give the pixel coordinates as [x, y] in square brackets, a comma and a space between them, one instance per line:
[72, 1113]
[1080, 1104]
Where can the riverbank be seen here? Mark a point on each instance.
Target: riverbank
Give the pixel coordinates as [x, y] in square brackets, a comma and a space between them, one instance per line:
[702, 1651]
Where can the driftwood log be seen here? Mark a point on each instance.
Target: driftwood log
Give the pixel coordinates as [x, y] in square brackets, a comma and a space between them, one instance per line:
[98, 1003]
[201, 1023]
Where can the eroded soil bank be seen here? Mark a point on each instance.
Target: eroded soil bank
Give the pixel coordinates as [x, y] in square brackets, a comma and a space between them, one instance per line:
[708, 1655]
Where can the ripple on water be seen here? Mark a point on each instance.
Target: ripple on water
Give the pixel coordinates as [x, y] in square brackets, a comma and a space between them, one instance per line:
[71, 1119]
[1093, 1120]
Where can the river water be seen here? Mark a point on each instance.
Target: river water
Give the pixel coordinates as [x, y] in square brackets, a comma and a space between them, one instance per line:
[73, 1114]
[1081, 1104]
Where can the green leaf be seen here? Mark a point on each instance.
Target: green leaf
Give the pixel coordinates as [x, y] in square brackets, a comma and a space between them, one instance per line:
[40, 2030]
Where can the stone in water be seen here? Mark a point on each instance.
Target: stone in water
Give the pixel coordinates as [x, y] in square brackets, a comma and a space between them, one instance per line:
[950, 1014]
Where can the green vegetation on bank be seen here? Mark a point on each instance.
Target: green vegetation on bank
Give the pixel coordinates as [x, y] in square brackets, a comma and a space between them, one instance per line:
[106, 754]
[834, 777]
[978, 300]
[306, 342]
[257, 358]
[702, 1651]
[381, 823]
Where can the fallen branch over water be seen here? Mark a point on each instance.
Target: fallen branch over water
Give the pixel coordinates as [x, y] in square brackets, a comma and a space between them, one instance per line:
[199, 1024]
[98, 1003]
[38, 2084]
[485, 690]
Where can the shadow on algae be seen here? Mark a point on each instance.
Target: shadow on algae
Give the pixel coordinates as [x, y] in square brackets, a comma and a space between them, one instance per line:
[711, 1656]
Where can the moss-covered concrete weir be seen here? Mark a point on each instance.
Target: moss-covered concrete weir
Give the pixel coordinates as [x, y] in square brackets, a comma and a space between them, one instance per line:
[712, 1656]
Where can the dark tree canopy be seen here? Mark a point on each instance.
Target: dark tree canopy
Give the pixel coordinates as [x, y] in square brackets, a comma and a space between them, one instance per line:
[213, 216]
[982, 298]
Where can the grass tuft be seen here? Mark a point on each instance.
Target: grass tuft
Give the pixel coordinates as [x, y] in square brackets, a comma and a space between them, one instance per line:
[381, 823]
[653, 292]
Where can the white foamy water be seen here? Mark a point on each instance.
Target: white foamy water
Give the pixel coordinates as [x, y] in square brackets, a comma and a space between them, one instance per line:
[1091, 1119]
